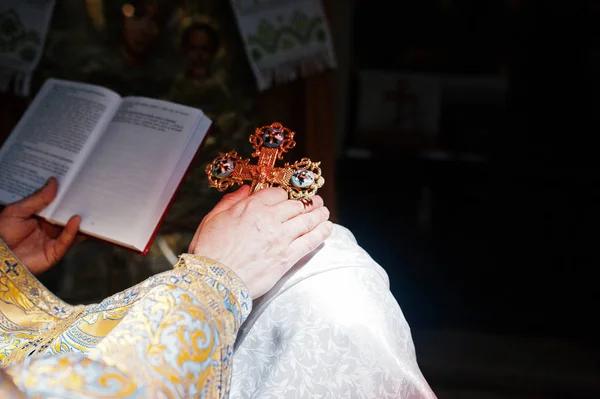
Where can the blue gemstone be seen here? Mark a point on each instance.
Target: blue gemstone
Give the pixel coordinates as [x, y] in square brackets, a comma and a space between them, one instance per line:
[222, 167]
[273, 137]
[303, 178]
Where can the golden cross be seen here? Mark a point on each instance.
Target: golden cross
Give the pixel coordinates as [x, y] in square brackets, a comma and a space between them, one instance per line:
[301, 179]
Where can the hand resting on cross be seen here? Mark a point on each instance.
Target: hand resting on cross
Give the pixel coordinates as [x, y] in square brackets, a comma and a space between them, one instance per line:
[261, 236]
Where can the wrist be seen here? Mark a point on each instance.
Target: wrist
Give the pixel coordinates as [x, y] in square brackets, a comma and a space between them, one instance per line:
[220, 278]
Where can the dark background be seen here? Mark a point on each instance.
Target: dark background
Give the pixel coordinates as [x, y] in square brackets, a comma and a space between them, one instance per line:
[510, 247]
[511, 242]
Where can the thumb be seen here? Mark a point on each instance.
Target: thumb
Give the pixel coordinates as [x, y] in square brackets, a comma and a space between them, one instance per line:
[35, 202]
[226, 202]
[231, 199]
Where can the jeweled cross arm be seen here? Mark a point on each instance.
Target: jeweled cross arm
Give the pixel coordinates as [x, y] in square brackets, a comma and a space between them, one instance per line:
[300, 179]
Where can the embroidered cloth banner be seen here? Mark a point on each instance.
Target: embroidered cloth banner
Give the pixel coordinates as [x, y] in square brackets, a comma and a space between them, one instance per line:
[23, 28]
[284, 39]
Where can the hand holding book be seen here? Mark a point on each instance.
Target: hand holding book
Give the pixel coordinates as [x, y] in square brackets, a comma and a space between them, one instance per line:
[37, 243]
[119, 161]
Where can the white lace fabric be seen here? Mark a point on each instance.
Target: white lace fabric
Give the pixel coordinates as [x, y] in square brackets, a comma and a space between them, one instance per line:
[330, 329]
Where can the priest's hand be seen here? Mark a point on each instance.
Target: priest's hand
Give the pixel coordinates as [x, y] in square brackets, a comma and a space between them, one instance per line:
[261, 236]
[37, 243]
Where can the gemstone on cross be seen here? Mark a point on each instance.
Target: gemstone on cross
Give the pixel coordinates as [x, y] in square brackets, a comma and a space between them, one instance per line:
[300, 179]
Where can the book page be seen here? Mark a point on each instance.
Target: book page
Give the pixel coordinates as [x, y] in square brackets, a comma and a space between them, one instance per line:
[53, 137]
[180, 170]
[119, 184]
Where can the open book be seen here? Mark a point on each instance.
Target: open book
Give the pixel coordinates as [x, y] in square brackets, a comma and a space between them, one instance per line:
[119, 161]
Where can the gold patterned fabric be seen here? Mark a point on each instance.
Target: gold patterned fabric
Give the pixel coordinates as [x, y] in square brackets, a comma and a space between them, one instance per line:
[170, 336]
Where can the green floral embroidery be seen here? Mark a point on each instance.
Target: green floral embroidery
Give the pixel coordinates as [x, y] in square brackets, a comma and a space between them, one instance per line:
[15, 38]
[301, 30]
